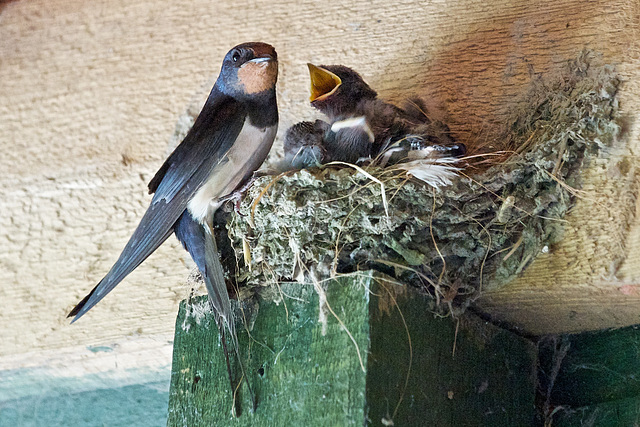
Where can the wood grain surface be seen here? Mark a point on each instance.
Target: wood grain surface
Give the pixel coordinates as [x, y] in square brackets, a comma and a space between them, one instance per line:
[90, 93]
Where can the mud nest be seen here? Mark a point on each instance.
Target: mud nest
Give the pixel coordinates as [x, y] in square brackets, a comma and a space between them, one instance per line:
[485, 227]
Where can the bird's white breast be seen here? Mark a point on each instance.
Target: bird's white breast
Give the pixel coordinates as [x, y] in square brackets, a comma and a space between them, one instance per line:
[245, 156]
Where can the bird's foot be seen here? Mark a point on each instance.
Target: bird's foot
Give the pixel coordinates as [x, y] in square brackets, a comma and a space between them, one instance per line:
[237, 195]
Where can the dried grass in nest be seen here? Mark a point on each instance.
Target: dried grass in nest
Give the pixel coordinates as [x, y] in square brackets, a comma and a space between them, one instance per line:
[451, 242]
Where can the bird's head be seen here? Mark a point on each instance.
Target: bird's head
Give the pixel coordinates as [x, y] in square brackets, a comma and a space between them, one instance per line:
[249, 70]
[336, 90]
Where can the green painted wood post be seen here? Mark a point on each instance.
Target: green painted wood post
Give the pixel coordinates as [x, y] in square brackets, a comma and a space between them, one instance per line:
[592, 378]
[387, 361]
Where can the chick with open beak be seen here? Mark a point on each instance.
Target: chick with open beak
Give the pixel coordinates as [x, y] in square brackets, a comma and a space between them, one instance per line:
[361, 126]
[344, 97]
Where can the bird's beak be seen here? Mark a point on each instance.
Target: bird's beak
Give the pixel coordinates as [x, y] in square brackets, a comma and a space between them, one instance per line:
[323, 82]
[260, 59]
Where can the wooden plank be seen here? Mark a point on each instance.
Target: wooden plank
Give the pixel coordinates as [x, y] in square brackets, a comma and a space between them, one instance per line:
[91, 90]
[466, 373]
[624, 412]
[593, 367]
[289, 361]
[591, 378]
[395, 363]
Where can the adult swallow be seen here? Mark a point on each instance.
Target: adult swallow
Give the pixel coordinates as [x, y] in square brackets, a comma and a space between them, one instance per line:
[229, 140]
[363, 125]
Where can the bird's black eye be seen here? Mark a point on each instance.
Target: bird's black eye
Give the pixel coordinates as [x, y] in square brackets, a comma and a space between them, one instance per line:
[235, 57]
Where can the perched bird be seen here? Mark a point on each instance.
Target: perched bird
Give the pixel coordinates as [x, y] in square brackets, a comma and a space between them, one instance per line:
[229, 140]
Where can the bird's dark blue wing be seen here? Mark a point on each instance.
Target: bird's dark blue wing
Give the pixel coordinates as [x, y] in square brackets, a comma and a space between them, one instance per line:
[182, 174]
[213, 133]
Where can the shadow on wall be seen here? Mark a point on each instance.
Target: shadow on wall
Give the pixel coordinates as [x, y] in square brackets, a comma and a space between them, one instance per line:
[473, 81]
[3, 3]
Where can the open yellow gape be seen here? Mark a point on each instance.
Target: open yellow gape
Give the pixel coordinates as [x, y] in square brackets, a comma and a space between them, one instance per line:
[323, 82]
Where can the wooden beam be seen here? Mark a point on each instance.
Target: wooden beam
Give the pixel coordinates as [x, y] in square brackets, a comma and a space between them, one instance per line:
[591, 378]
[373, 353]
[91, 91]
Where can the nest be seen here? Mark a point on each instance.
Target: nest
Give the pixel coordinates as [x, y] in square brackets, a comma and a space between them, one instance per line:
[451, 242]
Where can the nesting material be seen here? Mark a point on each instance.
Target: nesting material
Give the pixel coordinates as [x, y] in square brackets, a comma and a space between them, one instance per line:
[449, 241]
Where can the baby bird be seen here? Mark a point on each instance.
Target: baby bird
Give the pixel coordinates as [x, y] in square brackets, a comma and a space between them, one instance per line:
[362, 127]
